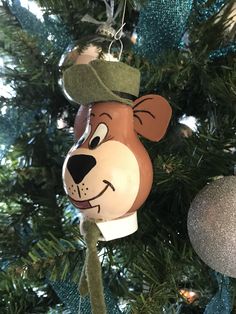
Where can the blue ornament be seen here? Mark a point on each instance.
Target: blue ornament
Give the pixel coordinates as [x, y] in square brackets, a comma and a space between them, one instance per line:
[161, 26]
[222, 302]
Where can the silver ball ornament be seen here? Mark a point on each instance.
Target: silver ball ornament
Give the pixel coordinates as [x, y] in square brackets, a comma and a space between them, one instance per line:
[74, 55]
[212, 225]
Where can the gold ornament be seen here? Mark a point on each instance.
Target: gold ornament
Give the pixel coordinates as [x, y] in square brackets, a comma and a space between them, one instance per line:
[189, 295]
[212, 225]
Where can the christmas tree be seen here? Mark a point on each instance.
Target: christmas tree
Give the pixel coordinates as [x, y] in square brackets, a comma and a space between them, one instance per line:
[185, 51]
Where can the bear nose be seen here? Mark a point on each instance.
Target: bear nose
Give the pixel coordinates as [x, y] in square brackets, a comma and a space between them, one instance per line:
[79, 166]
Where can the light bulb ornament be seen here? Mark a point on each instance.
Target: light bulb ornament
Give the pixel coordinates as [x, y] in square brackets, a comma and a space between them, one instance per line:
[108, 173]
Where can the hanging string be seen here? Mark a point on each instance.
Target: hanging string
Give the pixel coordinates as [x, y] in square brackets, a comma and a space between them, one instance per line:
[118, 34]
[110, 8]
[123, 17]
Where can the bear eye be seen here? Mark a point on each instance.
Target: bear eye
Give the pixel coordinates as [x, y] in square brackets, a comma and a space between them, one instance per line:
[98, 136]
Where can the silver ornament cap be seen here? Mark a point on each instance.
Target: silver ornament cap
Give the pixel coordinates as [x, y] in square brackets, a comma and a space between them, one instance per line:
[212, 225]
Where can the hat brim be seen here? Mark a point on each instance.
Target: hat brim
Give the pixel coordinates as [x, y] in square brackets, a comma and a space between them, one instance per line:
[82, 83]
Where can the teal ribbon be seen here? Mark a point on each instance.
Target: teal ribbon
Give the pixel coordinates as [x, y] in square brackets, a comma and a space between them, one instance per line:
[161, 26]
[222, 302]
[206, 11]
[69, 295]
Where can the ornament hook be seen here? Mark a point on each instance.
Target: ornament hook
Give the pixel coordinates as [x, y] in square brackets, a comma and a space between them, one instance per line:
[118, 35]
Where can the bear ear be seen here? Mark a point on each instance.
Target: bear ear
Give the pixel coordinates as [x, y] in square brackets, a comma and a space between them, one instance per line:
[152, 115]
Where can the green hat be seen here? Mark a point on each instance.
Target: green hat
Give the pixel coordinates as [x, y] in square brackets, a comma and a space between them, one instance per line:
[102, 80]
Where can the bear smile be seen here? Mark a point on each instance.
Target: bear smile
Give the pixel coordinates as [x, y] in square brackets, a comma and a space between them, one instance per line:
[83, 205]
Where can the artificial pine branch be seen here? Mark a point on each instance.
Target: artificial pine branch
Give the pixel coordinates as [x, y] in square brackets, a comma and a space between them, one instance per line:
[32, 196]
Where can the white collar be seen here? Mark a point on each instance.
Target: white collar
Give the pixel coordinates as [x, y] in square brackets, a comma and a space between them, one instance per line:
[117, 228]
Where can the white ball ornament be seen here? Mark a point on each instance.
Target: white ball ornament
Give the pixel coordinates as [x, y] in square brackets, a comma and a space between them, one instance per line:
[212, 225]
